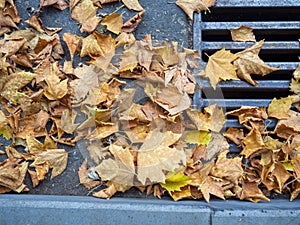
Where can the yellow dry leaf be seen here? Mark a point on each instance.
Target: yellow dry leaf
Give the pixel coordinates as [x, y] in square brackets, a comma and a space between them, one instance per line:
[56, 88]
[191, 6]
[248, 62]
[155, 157]
[175, 181]
[219, 67]
[121, 169]
[243, 33]
[113, 22]
[280, 108]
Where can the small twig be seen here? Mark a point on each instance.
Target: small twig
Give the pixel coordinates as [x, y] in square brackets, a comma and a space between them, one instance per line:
[122, 6]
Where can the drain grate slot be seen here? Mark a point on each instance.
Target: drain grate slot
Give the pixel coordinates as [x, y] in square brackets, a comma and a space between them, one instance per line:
[277, 22]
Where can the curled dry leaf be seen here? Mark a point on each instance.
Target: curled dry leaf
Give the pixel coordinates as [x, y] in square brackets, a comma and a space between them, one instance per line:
[83, 172]
[84, 12]
[243, 33]
[53, 158]
[130, 25]
[191, 6]
[133, 4]
[248, 62]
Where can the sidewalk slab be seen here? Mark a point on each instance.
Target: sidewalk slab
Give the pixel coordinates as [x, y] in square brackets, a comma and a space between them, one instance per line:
[75, 210]
[276, 212]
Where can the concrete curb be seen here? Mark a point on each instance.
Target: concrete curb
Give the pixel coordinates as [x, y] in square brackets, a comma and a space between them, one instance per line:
[46, 210]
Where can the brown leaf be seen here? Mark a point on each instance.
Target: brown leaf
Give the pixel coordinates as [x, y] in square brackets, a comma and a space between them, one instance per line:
[124, 38]
[130, 25]
[59, 4]
[211, 186]
[73, 42]
[108, 192]
[84, 12]
[243, 33]
[191, 6]
[219, 67]
[97, 44]
[290, 126]
[248, 62]
[228, 168]
[133, 4]
[251, 192]
[36, 23]
[235, 135]
[253, 142]
[84, 179]
[12, 175]
[57, 159]
[113, 22]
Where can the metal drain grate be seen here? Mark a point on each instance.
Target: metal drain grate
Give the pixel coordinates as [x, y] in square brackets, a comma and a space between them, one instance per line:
[278, 22]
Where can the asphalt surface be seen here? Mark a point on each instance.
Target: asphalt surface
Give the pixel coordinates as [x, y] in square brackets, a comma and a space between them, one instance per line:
[163, 20]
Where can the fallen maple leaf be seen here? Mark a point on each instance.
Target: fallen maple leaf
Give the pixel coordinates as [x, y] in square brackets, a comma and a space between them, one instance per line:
[191, 6]
[156, 156]
[121, 169]
[219, 67]
[243, 33]
[57, 159]
[248, 62]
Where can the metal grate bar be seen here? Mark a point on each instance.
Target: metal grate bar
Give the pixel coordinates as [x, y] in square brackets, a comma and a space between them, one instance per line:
[277, 22]
[283, 45]
[258, 3]
[282, 25]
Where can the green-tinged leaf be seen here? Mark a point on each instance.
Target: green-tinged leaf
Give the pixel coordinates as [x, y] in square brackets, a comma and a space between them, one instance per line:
[198, 137]
[5, 129]
[10, 85]
[175, 181]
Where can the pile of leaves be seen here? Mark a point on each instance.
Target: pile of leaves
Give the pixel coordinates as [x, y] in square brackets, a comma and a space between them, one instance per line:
[131, 104]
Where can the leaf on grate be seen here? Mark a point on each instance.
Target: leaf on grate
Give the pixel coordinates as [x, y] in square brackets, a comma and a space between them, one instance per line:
[248, 62]
[243, 33]
[219, 67]
[280, 108]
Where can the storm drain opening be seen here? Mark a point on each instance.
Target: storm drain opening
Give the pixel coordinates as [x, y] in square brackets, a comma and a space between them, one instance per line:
[277, 23]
